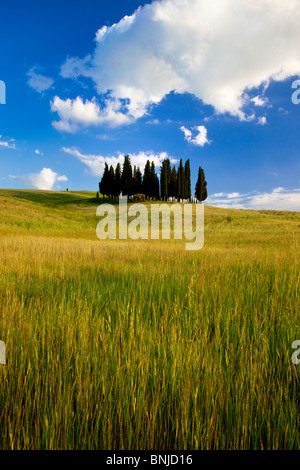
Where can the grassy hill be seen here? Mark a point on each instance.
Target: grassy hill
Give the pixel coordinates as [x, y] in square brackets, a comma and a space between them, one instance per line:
[141, 344]
[73, 214]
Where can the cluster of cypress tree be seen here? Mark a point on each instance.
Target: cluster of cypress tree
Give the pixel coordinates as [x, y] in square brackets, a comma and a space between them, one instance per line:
[129, 181]
[111, 182]
[173, 183]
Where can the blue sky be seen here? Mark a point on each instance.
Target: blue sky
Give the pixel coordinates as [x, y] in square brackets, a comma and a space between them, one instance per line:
[87, 82]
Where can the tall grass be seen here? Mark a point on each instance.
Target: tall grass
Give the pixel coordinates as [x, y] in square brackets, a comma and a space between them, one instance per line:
[143, 345]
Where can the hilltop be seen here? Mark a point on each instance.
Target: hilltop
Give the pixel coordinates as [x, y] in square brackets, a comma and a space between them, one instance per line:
[72, 214]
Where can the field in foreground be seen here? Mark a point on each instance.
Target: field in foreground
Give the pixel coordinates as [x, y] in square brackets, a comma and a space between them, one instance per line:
[143, 345]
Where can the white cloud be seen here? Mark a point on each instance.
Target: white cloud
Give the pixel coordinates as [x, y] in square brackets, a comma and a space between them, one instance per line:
[38, 152]
[8, 145]
[46, 179]
[284, 111]
[96, 162]
[153, 122]
[262, 120]
[105, 137]
[39, 82]
[259, 101]
[74, 66]
[278, 199]
[216, 50]
[62, 178]
[76, 114]
[199, 139]
[187, 133]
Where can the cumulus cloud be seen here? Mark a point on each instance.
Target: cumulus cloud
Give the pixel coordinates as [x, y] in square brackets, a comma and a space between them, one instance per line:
[39, 82]
[46, 179]
[96, 163]
[262, 120]
[153, 122]
[105, 137]
[278, 199]
[76, 114]
[259, 101]
[199, 138]
[38, 152]
[217, 51]
[233, 195]
[7, 143]
[284, 111]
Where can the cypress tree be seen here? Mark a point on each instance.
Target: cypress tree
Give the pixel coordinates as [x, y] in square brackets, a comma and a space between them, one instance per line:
[134, 181]
[111, 182]
[187, 175]
[154, 183]
[139, 182]
[201, 186]
[178, 184]
[168, 165]
[162, 181]
[104, 183]
[173, 182]
[147, 180]
[118, 176]
[180, 181]
[165, 178]
[126, 179]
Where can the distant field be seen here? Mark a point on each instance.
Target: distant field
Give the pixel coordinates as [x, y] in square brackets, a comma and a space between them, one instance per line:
[141, 344]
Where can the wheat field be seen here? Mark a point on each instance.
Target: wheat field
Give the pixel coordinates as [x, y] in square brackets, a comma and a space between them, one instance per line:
[142, 344]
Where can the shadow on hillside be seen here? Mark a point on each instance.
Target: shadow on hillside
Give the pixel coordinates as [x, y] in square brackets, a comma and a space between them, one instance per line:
[54, 199]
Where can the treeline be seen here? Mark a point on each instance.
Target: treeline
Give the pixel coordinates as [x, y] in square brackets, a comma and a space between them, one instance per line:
[174, 183]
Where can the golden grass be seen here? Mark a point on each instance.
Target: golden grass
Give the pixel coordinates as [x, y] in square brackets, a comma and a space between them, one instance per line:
[143, 345]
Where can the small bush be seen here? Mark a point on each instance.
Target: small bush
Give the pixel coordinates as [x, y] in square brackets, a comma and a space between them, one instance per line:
[139, 198]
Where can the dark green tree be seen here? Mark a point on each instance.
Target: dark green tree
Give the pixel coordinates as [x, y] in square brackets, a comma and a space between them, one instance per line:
[118, 176]
[180, 181]
[165, 179]
[126, 179]
[147, 180]
[134, 181]
[187, 177]
[139, 181]
[154, 182]
[201, 186]
[173, 182]
[111, 182]
[104, 183]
